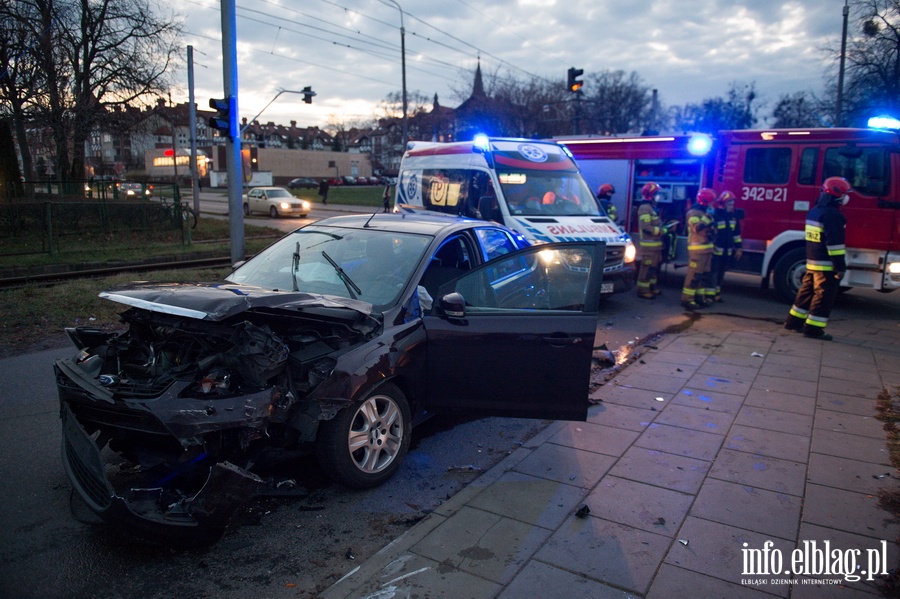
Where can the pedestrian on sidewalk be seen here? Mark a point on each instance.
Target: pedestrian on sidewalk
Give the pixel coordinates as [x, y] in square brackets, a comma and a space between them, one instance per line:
[386, 197]
[323, 191]
[825, 261]
[697, 290]
[728, 243]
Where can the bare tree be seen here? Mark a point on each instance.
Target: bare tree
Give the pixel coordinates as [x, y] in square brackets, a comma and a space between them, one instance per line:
[616, 102]
[800, 109]
[20, 77]
[872, 71]
[92, 55]
[736, 111]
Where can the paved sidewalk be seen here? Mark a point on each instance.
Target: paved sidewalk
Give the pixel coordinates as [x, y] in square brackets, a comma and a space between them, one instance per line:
[712, 444]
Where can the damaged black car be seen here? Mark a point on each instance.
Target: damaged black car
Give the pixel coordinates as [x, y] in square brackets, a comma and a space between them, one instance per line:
[335, 341]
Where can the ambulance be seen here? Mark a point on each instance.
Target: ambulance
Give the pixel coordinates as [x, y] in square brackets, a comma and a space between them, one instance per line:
[532, 187]
[776, 175]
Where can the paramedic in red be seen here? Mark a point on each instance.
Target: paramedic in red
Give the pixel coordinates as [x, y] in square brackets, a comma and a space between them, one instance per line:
[651, 232]
[697, 291]
[728, 242]
[825, 262]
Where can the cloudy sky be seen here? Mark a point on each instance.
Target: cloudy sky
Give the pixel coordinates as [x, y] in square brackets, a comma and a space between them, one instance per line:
[349, 50]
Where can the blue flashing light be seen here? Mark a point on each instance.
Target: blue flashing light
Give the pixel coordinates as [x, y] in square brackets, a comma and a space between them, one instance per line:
[481, 142]
[699, 145]
[884, 122]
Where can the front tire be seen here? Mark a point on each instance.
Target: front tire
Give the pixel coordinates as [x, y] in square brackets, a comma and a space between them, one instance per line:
[788, 274]
[273, 212]
[246, 210]
[365, 444]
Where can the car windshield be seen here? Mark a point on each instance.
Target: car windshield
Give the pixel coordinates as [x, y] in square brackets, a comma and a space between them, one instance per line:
[278, 193]
[369, 265]
[547, 193]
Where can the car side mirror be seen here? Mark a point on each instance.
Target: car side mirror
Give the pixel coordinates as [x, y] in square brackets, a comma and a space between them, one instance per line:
[453, 305]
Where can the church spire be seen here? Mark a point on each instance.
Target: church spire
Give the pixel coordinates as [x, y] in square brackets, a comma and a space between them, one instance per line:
[478, 87]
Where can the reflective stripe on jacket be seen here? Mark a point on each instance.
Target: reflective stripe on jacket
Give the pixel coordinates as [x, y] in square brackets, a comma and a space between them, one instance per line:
[700, 230]
[649, 226]
[824, 234]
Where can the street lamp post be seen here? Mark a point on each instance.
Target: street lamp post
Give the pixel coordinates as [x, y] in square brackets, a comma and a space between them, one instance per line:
[840, 90]
[306, 92]
[405, 137]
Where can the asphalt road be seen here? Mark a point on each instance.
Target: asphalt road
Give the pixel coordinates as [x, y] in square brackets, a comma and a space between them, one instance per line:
[297, 545]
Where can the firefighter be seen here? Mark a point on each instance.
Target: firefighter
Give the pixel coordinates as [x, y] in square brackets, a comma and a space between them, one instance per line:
[605, 194]
[825, 261]
[727, 249]
[697, 290]
[651, 232]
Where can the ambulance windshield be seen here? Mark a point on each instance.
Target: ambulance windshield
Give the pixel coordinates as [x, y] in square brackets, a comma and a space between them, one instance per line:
[547, 193]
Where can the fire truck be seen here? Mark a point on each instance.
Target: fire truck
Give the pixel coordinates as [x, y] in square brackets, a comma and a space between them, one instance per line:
[776, 176]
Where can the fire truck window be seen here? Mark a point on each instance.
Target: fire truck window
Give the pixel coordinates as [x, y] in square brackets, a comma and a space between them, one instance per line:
[767, 165]
[808, 162]
[866, 169]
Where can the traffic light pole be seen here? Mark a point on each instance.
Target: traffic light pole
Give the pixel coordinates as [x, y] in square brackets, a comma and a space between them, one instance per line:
[192, 113]
[233, 142]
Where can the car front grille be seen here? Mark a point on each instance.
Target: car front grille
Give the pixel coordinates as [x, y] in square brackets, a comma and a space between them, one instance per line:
[84, 464]
[615, 258]
[105, 415]
[128, 388]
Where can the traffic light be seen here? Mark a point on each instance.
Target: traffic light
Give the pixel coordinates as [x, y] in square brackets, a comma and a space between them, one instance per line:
[308, 94]
[226, 116]
[574, 82]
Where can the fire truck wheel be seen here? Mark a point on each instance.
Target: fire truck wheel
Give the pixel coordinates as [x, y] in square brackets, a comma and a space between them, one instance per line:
[788, 273]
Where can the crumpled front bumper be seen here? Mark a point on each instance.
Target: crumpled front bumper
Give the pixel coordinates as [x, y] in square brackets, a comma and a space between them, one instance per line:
[200, 517]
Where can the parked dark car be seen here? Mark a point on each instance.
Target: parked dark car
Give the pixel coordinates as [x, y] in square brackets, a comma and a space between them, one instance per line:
[303, 183]
[335, 340]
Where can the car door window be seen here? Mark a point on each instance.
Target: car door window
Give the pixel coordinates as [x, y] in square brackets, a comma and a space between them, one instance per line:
[547, 279]
[452, 259]
[494, 242]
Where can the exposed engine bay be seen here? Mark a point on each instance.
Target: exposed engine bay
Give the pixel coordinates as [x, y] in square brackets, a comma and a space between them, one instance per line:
[167, 419]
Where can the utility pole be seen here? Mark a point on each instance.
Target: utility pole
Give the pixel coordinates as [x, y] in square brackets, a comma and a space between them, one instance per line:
[192, 112]
[839, 107]
[233, 139]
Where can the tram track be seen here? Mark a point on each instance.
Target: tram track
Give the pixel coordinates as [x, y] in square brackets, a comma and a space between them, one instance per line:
[48, 279]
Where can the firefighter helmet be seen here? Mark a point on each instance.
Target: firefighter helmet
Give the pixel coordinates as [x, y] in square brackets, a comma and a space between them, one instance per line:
[649, 190]
[836, 186]
[606, 190]
[706, 196]
[724, 197]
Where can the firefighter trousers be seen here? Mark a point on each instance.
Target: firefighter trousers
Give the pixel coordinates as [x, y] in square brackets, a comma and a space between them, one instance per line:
[698, 286]
[720, 264]
[648, 271]
[814, 300]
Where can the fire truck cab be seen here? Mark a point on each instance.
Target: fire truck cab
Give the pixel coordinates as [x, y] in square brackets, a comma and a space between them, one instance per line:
[776, 176]
[532, 187]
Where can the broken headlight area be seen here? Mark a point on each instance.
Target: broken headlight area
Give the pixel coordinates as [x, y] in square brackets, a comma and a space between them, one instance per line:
[158, 416]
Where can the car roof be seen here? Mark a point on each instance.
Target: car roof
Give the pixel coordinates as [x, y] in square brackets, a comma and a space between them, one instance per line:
[421, 223]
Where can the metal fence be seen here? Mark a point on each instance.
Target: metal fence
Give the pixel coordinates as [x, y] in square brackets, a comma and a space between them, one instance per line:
[98, 215]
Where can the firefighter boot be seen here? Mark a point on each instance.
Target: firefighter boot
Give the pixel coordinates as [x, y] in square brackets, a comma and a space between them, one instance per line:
[816, 333]
[793, 324]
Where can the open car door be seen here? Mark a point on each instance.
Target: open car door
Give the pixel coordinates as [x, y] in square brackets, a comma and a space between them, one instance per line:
[514, 337]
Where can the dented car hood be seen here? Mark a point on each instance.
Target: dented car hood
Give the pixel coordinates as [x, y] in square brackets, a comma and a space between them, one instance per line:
[219, 301]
